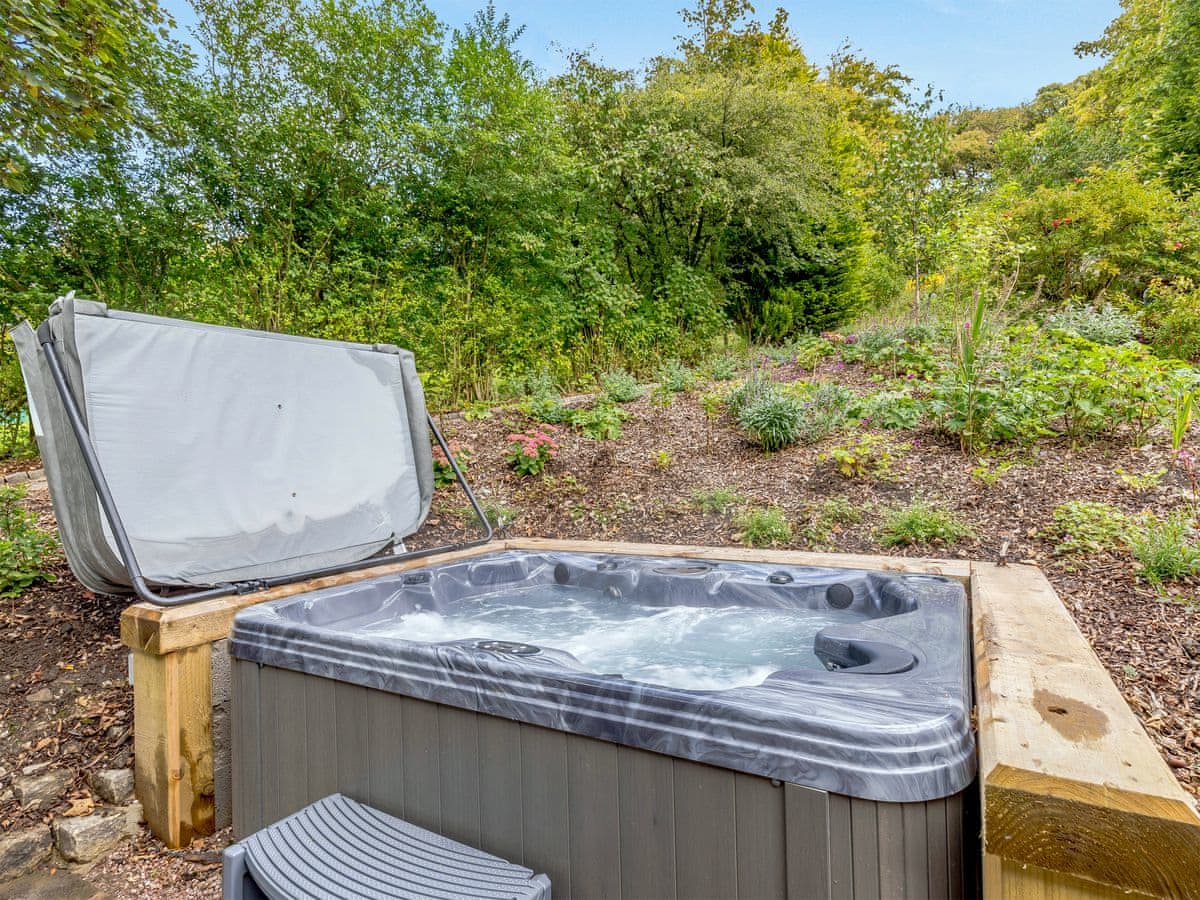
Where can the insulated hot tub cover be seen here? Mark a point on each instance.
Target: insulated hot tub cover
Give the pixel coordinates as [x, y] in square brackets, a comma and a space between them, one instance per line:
[232, 455]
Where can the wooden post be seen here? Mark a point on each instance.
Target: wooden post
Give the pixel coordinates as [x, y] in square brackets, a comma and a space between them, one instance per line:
[172, 742]
[1077, 800]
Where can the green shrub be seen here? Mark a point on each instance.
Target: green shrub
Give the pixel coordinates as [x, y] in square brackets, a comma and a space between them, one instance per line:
[921, 523]
[443, 472]
[809, 349]
[1173, 319]
[1166, 549]
[1104, 325]
[890, 409]
[724, 368]
[529, 451]
[841, 511]
[601, 422]
[826, 409]
[716, 500]
[675, 377]
[764, 527]
[755, 387]
[895, 350]
[620, 387]
[497, 513]
[773, 421]
[1085, 526]
[25, 550]
[870, 456]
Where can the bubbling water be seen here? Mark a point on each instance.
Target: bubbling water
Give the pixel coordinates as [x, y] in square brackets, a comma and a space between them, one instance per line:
[691, 647]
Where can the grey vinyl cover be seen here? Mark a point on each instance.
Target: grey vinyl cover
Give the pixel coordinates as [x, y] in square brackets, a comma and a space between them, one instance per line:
[337, 847]
[898, 736]
[231, 454]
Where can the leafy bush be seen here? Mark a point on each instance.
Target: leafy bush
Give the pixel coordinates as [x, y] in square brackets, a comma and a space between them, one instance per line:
[25, 550]
[764, 527]
[544, 402]
[840, 510]
[443, 473]
[601, 422]
[529, 451]
[497, 513]
[755, 387]
[1173, 319]
[716, 500]
[921, 523]
[1085, 526]
[809, 349]
[675, 377]
[899, 351]
[724, 368]
[1104, 325]
[773, 421]
[890, 409]
[1166, 549]
[620, 387]
[871, 456]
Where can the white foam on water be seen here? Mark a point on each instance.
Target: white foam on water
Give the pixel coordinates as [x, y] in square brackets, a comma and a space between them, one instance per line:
[692, 647]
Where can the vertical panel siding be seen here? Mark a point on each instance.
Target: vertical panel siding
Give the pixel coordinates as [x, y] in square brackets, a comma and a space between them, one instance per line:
[601, 820]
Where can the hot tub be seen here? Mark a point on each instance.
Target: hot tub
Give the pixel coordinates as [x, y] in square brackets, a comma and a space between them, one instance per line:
[635, 726]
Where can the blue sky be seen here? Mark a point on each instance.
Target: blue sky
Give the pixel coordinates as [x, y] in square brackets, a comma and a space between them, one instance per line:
[978, 52]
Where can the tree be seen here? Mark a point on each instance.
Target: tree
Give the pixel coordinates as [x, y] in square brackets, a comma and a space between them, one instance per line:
[66, 74]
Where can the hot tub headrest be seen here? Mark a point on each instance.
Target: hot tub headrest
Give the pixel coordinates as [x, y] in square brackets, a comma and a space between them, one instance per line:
[232, 455]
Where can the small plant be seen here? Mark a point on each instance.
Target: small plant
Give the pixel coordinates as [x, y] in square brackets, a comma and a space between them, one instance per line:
[716, 501]
[601, 422]
[754, 388]
[664, 459]
[529, 451]
[1181, 419]
[675, 376]
[1103, 325]
[498, 514]
[544, 402]
[661, 397]
[620, 387]
[25, 550]
[773, 421]
[989, 475]
[871, 456]
[1166, 549]
[724, 368]
[921, 523]
[1145, 481]
[890, 409]
[1085, 526]
[840, 511]
[443, 472]
[477, 411]
[764, 527]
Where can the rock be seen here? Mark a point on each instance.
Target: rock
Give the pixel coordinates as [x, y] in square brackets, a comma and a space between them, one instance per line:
[41, 695]
[134, 817]
[17, 478]
[57, 886]
[114, 786]
[84, 838]
[23, 851]
[41, 791]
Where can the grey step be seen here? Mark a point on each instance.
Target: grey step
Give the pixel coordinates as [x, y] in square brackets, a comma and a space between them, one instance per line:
[338, 848]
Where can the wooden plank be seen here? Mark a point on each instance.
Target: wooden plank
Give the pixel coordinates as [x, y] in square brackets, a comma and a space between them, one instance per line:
[841, 849]
[705, 836]
[916, 850]
[647, 816]
[246, 755]
[761, 854]
[163, 629]
[595, 820]
[937, 848]
[890, 840]
[385, 753]
[1005, 879]
[806, 813]
[173, 761]
[951, 568]
[458, 738]
[864, 839]
[500, 812]
[545, 814]
[422, 768]
[284, 755]
[321, 736]
[1070, 781]
[353, 761]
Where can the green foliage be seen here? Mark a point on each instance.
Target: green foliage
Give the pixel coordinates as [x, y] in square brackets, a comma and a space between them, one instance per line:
[897, 351]
[757, 386]
[1085, 526]
[1173, 319]
[443, 472]
[1140, 481]
[724, 367]
[773, 421]
[717, 500]
[25, 550]
[675, 377]
[841, 511]
[528, 452]
[1100, 325]
[890, 409]
[620, 387]
[1166, 549]
[764, 527]
[921, 522]
[601, 422]
[500, 515]
[989, 475]
[869, 456]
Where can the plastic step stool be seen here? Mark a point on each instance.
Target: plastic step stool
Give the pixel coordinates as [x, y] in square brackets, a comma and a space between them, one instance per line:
[337, 848]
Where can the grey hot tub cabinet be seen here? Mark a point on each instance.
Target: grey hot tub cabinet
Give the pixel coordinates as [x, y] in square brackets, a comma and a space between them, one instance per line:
[322, 707]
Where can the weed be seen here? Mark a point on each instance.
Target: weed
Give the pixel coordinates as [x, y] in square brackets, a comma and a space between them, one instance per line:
[664, 459]
[716, 500]
[1084, 526]
[921, 523]
[871, 456]
[840, 511]
[989, 475]
[675, 376]
[1140, 482]
[764, 527]
[620, 387]
[601, 422]
[1166, 549]
[498, 514]
[890, 409]
[25, 550]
